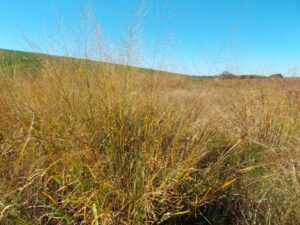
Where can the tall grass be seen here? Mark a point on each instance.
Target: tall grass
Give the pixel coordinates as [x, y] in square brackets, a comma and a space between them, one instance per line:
[83, 145]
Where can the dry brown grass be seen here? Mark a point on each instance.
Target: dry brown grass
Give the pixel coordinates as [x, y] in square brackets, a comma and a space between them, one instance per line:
[101, 145]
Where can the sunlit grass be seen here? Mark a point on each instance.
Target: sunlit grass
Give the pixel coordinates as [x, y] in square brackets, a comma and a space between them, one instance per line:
[98, 144]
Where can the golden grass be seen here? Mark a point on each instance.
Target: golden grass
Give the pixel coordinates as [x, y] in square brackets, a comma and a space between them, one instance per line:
[103, 145]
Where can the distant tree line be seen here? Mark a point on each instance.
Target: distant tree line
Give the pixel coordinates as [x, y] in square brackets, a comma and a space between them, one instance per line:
[229, 75]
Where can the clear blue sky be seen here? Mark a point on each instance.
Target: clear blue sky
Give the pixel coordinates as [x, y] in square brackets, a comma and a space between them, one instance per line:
[188, 36]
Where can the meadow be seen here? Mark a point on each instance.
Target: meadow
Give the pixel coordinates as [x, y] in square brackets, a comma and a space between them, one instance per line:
[99, 143]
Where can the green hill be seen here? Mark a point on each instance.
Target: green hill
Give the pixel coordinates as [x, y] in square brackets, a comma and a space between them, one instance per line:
[30, 62]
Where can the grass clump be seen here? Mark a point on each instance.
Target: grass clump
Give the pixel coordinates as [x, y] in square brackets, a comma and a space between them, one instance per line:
[100, 145]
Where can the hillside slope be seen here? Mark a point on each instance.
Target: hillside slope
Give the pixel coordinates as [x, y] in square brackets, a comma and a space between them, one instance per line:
[31, 62]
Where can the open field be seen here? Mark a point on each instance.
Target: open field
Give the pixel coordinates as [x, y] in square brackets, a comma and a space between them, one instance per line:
[97, 143]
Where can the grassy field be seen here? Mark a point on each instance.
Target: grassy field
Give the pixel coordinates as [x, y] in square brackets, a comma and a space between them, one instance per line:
[96, 143]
